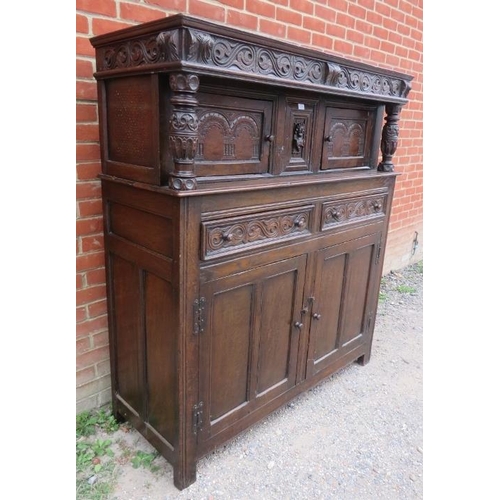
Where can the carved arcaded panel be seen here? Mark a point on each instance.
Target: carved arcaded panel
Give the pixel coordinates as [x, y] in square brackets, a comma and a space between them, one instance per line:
[346, 138]
[240, 233]
[342, 212]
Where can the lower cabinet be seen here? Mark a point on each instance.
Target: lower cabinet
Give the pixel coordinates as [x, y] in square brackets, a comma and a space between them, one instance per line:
[269, 328]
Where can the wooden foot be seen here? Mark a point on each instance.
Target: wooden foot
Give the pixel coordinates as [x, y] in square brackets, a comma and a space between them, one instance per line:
[184, 476]
[363, 360]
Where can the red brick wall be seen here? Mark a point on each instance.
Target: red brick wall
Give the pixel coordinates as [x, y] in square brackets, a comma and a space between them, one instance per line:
[387, 33]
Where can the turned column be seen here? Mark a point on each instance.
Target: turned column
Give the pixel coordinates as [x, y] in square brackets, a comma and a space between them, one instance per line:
[183, 130]
[390, 134]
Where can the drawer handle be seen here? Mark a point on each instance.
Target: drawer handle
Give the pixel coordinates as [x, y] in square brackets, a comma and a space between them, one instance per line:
[316, 316]
[228, 237]
[298, 325]
[377, 206]
[335, 213]
[269, 138]
[300, 223]
[329, 138]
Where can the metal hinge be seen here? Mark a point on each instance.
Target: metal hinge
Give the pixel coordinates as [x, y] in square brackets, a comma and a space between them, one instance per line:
[197, 417]
[199, 315]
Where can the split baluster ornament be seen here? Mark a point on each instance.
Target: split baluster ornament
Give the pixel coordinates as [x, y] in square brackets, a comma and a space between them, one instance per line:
[183, 130]
[390, 134]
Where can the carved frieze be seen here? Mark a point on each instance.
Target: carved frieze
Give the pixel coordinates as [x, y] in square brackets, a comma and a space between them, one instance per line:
[189, 45]
[237, 234]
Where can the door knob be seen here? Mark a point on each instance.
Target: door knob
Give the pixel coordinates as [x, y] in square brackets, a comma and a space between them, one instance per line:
[298, 325]
[316, 316]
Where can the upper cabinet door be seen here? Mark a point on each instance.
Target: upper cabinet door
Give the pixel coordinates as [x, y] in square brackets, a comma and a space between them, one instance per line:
[347, 138]
[234, 135]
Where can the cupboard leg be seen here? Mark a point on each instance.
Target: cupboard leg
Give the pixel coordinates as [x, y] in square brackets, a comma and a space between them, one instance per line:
[184, 476]
[364, 360]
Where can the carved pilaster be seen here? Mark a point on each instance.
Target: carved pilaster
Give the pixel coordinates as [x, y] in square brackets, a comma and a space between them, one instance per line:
[390, 134]
[183, 130]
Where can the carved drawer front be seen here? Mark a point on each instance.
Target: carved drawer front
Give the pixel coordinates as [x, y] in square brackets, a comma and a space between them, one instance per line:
[234, 135]
[352, 210]
[237, 234]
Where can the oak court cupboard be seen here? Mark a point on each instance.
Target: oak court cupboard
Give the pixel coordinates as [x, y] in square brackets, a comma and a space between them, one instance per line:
[246, 217]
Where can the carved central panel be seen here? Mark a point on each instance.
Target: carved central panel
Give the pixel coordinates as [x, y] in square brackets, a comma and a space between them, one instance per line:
[226, 136]
[346, 138]
[239, 233]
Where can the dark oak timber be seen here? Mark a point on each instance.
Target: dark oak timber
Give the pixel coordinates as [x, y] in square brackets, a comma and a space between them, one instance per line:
[246, 218]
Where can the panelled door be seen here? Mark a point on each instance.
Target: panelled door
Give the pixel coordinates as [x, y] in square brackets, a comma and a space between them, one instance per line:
[250, 341]
[341, 305]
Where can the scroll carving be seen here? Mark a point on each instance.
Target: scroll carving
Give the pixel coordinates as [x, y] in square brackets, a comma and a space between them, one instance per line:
[206, 49]
[183, 130]
[349, 210]
[390, 134]
[222, 238]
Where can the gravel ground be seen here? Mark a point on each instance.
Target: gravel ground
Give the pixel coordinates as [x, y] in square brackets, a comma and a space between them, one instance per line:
[358, 435]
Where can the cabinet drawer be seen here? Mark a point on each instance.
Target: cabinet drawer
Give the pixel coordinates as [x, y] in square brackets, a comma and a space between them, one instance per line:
[236, 234]
[351, 210]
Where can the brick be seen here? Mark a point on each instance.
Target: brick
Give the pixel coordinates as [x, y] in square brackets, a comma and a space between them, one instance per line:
[395, 37]
[392, 60]
[83, 47]
[102, 26]
[242, 20]
[324, 13]
[403, 29]
[322, 41]
[298, 35]
[304, 6]
[97, 308]
[377, 56]
[82, 345]
[87, 171]
[281, 2]
[374, 18]
[397, 15]
[88, 152]
[86, 91]
[345, 20]
[339, 5]
[354, 36]
[79, 281]
[387, 47]
[88, 189]
[383, 9]
[86, 112]
[90, 207]
[364, 27]
[103, 368]
[93, 387]
[85, 375]
[361, 51]
[81, 314]
[411, 21]
[84, 69]
[106, 7]
[314, 24]
[261, 8]
[208, 10]
[356, 11]
[101, 338]
[272, 28]
[139, 13]
[82, 24]
[342, 47]
[288, 16]
[336, 31]
[91, 326]
[92, 244]
[104, 397]
[86, 404]
[369, 4]
[89, 261]
[181, 5]
[372, 42]
[381, 33]
[390, 24]
[401, 51]
[87, 132]
[89, 226]
[90, 294]
[394, 3]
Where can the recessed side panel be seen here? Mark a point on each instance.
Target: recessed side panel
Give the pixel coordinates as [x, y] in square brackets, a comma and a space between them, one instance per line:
[161, 348]
[126, 289]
